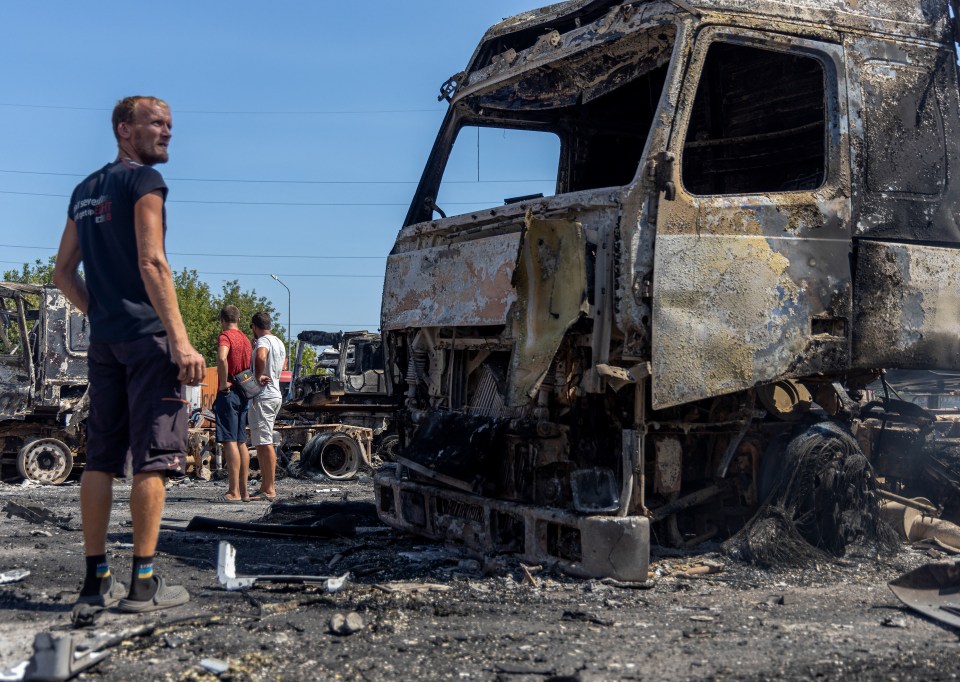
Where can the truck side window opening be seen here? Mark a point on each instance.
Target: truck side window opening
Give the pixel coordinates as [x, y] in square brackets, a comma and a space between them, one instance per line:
[758, 123]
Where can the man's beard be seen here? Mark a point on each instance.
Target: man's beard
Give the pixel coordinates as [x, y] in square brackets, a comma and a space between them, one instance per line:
[150, 156]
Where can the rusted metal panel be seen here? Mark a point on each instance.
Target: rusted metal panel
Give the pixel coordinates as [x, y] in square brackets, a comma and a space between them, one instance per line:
[668, 466]
[907, 306]
[467, 283]
[732, 312]
[917, 18]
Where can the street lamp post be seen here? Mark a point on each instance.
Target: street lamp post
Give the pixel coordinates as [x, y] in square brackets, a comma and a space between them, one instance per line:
[289, 329]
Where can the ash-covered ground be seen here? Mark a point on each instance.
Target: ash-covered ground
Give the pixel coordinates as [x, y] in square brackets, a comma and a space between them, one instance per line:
[432, 612]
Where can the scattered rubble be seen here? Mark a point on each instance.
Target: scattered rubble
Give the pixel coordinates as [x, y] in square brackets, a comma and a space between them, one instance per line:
[429, 619]
[227, 574]
[348, 624]
[13, 576]
[933, 590]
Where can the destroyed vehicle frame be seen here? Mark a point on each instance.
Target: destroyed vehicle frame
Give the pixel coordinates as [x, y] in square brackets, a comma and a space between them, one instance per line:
[755, 211]
[43, 381]
[354, 394]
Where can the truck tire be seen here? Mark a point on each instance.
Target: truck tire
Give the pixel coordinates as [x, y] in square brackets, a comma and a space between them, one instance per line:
[335, 454]
[45, 460]
[388, 447]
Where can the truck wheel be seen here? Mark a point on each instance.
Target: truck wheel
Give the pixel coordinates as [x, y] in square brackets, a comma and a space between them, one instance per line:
[46, 460]
[337, 455]
[388, 447]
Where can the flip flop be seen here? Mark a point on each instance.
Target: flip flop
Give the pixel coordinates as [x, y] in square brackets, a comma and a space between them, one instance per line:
[262, 497]
[223, 499]
[114, 593]
[167, 596]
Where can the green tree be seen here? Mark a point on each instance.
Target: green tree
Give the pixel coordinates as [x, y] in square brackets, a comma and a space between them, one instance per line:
[200, 313]
[308, 361]
[249, 302]
[37, 272]
[200, 310]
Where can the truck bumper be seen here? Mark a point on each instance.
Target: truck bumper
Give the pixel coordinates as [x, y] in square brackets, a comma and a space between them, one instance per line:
[584, 546]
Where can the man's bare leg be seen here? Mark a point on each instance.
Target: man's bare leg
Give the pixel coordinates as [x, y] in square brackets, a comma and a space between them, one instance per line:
[267, 456]
[96, 499]
[244, 457]
[146, 507]
[232, 458]
[147, 591]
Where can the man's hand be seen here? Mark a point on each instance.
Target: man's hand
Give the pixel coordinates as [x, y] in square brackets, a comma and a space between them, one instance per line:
[191, 363]
[263, 379]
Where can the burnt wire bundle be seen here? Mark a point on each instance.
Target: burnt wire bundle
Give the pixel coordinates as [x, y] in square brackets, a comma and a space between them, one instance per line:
[820, 500]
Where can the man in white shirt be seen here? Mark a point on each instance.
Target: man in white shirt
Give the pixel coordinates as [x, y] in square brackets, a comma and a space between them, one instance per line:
[268, 358]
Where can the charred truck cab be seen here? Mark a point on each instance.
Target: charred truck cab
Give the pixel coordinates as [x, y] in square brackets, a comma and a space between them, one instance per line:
[43, 382]
[752, 211]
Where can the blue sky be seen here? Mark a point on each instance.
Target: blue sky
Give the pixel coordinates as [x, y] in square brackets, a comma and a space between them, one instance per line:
[300, 129]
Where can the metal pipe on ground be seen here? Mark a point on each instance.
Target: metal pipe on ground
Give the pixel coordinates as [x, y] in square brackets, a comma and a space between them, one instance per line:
[913, 525]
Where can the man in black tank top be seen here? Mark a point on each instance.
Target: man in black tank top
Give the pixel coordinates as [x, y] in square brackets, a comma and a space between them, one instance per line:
[139, 352]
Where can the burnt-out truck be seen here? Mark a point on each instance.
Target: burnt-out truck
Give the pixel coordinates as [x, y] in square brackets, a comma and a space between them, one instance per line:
[752, 211]
[43, 381]
[346, 397]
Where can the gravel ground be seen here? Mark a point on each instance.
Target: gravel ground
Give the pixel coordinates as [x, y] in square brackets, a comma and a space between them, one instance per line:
[430, 612]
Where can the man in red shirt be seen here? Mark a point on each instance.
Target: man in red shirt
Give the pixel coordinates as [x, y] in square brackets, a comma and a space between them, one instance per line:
[230, 407]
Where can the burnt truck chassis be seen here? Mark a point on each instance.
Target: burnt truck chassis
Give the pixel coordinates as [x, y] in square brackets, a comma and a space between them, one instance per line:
[755, 213]
[354, 394]
[338, 451]
[43, 382]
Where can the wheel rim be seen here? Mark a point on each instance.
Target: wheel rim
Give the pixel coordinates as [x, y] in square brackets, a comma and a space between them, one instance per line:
[45, 461]
[339, 459]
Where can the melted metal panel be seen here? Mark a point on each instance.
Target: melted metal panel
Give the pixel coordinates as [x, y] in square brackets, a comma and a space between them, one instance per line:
[66, 337]
[551, 283]
[462, 284]
[907, 306]
[908, 143]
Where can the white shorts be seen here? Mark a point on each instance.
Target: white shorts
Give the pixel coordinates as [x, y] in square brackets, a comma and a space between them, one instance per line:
[263, 412]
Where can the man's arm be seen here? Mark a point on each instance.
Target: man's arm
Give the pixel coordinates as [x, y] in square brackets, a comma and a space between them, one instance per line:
[260, 365]
[65, 275]
[158, 281]
[223, 376]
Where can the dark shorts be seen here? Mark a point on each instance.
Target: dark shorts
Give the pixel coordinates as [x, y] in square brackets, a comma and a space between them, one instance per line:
[230, 409]
[136, 408]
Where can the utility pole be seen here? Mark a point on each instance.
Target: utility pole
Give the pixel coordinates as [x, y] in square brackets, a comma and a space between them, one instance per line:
[289, 333]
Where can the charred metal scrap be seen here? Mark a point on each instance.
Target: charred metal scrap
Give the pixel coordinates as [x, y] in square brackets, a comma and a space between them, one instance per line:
[43, 381]
[754, 215]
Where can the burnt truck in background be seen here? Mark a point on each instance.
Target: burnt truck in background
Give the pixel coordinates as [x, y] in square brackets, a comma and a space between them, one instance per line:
[342, 401]
[43, 381]
[754, 213]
